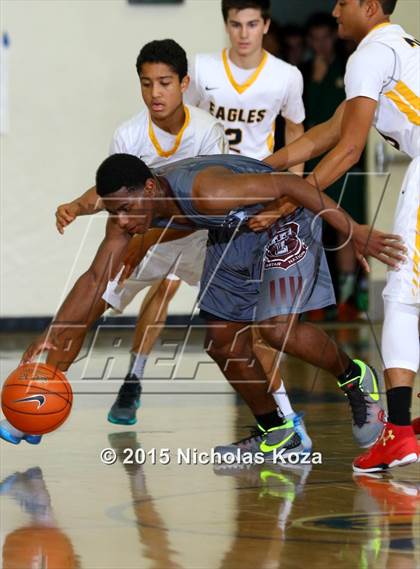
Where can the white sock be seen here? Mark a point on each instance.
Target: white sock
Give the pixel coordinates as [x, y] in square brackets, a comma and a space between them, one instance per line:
[137, 364]
[282, 400]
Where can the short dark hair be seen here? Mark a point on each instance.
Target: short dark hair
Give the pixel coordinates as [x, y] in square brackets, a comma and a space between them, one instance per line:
[263, 5]
[388, 6]
[321, 20]
[164, 51]
[121, 171]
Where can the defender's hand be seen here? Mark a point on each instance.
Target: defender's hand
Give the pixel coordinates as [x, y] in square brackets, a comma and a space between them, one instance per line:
[66, 214]
[268, 216]
[386, 247]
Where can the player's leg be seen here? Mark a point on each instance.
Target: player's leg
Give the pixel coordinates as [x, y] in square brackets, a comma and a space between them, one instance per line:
[400, 341]
[151, 320]
[357, 379]
[296, 279]
[230, 345]
[183, 257]
[270, 361]
[398, 444]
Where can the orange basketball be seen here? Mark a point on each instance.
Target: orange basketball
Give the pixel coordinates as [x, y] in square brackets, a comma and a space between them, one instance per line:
[36, 398]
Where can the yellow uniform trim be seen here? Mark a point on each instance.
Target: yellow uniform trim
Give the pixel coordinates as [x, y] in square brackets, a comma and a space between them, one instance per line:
[168, 153]
[271, 138]
[250, 81]
[412, 115]
[409, 95]
[379, 26]
[416, 256]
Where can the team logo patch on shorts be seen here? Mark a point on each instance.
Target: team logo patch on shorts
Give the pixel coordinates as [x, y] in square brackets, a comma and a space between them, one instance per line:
[285, 249]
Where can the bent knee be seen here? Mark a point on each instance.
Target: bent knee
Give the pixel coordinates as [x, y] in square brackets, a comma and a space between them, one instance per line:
[276, 331]
[222, 353]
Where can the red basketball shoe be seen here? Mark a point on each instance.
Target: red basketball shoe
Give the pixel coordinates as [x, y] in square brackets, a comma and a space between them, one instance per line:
[397, 447]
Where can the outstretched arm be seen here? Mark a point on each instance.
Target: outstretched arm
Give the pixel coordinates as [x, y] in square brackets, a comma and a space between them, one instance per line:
[293, 132]
[219, 193]
[82, 299]
[313, 143]
[346, 133]
[357, 120]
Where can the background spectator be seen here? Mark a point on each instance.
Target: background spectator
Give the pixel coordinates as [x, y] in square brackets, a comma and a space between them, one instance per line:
[324, 90]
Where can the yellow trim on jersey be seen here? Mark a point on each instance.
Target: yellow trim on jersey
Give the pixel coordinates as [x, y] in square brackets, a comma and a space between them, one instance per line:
[168, 153]
[396, 96]
[250, 81]
[409, 95]
[416, 257]
[271, 138]
[379, 26]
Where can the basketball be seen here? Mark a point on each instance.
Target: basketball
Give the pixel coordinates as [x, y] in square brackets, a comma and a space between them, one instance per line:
[36, 398]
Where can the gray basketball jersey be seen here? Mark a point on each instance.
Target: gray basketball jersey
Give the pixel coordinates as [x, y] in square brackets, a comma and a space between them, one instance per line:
[181, 176]
[251, 276]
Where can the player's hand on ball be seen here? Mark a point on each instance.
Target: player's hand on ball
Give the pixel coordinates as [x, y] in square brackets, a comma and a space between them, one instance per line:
[386, 247]
[65, 214]
[45, 342]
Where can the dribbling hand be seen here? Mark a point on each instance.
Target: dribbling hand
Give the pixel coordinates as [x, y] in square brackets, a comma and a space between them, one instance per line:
[44, 343]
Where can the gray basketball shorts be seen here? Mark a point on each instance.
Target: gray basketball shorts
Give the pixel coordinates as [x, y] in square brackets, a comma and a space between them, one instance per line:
[251, 276]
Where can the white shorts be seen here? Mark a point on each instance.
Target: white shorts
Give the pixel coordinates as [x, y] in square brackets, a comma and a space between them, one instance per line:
[180, 259]
[404, 285]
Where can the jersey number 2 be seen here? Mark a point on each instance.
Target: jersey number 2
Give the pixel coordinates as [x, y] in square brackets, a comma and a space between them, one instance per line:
[234, 136]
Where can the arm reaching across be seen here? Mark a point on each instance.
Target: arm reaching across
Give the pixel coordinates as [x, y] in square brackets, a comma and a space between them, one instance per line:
[356, 121]
[220, 192]
[283, 207]
[76, 310]
[292, 132]
[313, 143]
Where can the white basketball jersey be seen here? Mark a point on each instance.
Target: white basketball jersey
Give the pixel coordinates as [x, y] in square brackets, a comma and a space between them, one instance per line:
[201, 135]
[386, 68]
[247, 106]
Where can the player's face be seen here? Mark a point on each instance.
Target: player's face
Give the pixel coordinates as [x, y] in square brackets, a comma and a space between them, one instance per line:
[132, 209]
[161, 89]
[246, 29]
[351, 18]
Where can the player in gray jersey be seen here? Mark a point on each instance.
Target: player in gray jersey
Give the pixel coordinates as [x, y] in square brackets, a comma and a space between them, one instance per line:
[219, 193]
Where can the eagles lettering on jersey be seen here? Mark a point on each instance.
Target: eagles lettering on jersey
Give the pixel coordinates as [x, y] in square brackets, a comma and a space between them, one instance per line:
[237, 115]
[247, 105]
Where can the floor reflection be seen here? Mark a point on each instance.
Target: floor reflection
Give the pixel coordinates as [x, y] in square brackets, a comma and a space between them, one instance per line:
[156, 543]
[40, 543]
[392, 522]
